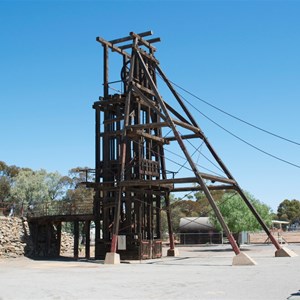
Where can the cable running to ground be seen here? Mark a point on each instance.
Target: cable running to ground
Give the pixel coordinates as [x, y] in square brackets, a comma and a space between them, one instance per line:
[239, 138]
[237, 118]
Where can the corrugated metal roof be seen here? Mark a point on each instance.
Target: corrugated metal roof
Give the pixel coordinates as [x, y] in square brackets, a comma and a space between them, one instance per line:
[195, 224]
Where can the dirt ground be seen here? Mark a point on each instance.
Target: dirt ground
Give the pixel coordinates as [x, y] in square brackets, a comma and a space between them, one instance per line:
[204, 272]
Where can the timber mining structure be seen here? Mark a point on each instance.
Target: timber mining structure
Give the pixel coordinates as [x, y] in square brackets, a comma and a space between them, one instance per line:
[134, 125]
[132, 182]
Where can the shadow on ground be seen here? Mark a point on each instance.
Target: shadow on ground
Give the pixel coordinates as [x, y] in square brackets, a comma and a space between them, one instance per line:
[292, 296]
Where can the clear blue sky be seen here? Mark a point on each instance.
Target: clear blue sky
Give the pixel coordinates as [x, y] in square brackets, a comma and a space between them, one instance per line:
[242, 56]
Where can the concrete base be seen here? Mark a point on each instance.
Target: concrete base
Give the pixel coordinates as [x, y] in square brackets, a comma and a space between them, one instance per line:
[243, 259]
[285, 252]
[173, 252]
[112, 258]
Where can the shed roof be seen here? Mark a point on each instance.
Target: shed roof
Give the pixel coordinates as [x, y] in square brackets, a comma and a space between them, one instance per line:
[195, 224]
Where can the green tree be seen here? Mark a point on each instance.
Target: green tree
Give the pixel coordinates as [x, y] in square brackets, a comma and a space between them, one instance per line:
[289, 210]
[164, 223]
[7, 176]
[176, 215]
[80, 175]
[30, 187]
[79, 194]
[57, 185]
[4, 188]
[181, 208]
[238, 216]
[189, 208]
[205, 207]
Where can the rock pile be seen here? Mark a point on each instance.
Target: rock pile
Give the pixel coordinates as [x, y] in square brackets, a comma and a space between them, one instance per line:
[14, 237]
[67, 244]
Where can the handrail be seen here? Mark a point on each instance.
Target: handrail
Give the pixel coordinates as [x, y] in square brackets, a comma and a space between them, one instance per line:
[49, 208]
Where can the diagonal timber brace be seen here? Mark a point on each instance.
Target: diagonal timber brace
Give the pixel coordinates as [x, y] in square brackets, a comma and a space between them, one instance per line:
[189, 158]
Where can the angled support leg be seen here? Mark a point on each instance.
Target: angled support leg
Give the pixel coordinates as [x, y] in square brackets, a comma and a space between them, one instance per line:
[191, 162]
[172, 251]
[281, 251]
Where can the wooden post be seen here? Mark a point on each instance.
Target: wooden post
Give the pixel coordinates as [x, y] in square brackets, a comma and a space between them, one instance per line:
[76, 239]
[87, 238]
[170, 227]
[36, 238]
[58, 240]
[48, 239]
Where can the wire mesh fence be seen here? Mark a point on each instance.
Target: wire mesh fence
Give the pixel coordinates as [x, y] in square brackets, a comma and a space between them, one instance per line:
[200, 238]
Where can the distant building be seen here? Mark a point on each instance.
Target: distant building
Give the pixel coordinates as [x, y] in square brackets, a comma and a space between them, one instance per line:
[198, 230]
[281, 225]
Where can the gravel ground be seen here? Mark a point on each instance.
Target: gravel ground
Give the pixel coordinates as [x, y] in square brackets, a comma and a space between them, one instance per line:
[198, 273]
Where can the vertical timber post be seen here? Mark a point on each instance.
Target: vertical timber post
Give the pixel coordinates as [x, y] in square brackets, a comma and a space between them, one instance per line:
[76, 239]
[112, 257]
[96, 208]
[87, 238]
[48, 239]
[58, 236]
[172, 251]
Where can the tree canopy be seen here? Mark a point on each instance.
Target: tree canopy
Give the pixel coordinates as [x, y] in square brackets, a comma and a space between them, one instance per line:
[23, 186]
[289, 210]
[30, 187]
[236, 213]
[7, 175]
[238, 216]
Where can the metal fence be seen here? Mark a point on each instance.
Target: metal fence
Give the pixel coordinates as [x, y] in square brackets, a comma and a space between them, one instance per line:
[200, 238]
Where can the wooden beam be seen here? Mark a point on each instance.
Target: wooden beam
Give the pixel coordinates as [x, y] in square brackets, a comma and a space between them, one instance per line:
[158, 182]
[148, 125]
[132, 134]
[184, 137]
[142, 41]
[111, 133]
[112, 47]
[144, 89]
[113, 120]
[177, 180]
[148, 101]
[176, 113]
[188, 126]
[150, 190]
[148, 56]
[130, 37]
[198, 188]
[154, 40]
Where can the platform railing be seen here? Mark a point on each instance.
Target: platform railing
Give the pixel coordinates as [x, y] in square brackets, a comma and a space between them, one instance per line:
[51, 208]
[60, 208]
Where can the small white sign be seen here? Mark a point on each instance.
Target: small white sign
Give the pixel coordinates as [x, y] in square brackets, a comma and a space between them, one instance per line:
[121, 242]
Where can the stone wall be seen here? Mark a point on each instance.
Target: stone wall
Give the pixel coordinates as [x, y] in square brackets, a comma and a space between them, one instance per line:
[15, 239]
[67, 244]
